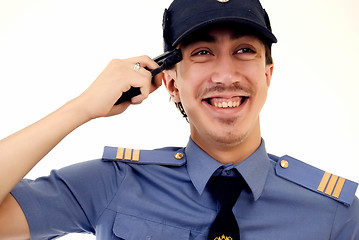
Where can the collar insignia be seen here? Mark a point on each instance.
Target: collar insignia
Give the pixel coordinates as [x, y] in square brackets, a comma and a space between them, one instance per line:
[223, 237]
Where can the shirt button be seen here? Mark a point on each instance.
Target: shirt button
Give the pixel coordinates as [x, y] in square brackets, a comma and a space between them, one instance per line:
[227, 172]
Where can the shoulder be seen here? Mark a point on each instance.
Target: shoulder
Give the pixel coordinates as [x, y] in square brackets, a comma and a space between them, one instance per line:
[169, 156]
[314, 179]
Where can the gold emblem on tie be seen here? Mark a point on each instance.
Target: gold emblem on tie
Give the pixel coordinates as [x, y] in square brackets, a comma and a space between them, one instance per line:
[223, 238]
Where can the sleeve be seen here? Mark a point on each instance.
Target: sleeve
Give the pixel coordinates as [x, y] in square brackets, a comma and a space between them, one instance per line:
[346, 222]
[68, 200]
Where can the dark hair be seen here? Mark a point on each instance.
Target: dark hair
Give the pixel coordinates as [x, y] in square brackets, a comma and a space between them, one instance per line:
[180, 108]
[268, 54]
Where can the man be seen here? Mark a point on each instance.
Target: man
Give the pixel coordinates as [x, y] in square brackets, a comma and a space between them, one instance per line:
[221, 85]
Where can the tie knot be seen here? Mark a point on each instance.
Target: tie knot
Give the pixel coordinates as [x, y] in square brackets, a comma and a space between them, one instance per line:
[227, 189]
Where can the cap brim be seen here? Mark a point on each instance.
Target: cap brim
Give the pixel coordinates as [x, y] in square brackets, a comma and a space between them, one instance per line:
[263, 32]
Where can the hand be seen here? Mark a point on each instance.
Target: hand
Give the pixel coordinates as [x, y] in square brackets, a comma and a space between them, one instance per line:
[118, 77]
[37, 140]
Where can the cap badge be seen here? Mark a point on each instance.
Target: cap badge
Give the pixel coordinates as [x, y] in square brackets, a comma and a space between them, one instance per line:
[223, 1]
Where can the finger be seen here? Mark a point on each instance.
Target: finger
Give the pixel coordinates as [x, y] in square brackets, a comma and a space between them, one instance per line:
[147, 62]
[145, 91]
[151, 65]
[156, 82]
[141, 67]
[140, 80]
[137, 99]
[118, 109]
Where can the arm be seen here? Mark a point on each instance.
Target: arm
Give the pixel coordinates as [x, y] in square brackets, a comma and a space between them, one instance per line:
[346, 222]
[38, 139]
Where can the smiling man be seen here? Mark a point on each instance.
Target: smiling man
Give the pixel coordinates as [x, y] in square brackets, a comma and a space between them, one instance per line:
[222, 186]
[222, 84]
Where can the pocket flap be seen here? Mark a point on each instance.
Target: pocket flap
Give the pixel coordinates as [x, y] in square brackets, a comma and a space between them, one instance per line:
[135, 228]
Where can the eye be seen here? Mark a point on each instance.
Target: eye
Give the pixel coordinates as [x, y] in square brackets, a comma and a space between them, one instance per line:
[246, 53]
[245, 50]
[201, 53]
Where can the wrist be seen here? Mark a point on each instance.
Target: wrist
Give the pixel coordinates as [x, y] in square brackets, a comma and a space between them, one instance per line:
[77, 111]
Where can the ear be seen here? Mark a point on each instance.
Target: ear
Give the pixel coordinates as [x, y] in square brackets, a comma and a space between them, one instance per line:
[269, 73]
[169, 79]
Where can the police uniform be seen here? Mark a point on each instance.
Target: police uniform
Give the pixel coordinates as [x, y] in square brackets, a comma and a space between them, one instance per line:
[163, 194]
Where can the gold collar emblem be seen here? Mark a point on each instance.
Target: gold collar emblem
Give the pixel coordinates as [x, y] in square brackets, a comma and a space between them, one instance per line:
[223, 237]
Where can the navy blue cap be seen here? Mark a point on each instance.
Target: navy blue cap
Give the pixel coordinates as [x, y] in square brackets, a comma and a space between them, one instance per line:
[183, 17]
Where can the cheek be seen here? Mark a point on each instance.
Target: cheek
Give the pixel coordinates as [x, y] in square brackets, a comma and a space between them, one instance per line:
[189, 80]
[258, 74]
[260, 84]
[262, 91]
[186, 71]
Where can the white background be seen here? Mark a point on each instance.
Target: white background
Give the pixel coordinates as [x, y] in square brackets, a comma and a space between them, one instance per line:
[51, 50]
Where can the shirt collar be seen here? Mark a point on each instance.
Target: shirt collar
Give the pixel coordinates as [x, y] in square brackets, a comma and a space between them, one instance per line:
[253, 169]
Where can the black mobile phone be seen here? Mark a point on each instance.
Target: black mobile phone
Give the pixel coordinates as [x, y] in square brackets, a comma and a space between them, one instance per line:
[165, 61]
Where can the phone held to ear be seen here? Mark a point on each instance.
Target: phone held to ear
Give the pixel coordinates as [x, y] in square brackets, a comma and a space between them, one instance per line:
[165, 61]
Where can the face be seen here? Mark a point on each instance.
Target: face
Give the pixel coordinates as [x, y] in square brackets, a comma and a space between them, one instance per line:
[222, 83]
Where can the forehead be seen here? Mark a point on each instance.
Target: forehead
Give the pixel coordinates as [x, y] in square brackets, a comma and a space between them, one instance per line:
[214, 33]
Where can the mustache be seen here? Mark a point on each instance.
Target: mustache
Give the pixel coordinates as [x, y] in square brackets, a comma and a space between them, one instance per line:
[219, 88]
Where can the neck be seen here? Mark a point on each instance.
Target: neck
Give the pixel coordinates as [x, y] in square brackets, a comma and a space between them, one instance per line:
[226, 153]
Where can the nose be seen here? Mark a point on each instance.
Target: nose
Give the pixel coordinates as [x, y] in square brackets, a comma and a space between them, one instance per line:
[225, 72]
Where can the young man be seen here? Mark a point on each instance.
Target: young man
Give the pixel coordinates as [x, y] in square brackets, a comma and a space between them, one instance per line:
[221, 85]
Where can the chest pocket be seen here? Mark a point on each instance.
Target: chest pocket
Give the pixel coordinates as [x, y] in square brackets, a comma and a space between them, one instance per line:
[134, 228]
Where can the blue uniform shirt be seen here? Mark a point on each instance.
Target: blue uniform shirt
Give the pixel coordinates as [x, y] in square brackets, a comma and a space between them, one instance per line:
[163, 194]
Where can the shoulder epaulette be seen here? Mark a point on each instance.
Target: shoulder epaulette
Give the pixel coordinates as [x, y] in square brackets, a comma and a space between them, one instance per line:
[317, 180]
[169, 156]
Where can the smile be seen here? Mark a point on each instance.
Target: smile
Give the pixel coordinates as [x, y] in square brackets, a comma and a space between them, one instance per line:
[226, 102]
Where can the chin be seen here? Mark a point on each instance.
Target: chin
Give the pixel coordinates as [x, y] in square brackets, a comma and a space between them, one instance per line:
[230, 139]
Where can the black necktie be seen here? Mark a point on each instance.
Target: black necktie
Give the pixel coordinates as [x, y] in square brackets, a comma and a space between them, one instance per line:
[227, 191]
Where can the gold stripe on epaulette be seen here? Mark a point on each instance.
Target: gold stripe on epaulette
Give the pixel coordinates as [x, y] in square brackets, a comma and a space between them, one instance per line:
[331, 184]
[128, 154]
[338, 188]
[335, 183]
[119, 154]
[323, 182]
[136, 155]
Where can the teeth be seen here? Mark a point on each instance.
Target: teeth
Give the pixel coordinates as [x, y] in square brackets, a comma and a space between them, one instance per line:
[228, 104]
[225, 102]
